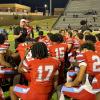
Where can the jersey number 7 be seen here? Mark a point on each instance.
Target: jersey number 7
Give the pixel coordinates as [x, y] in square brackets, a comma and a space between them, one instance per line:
[48, 68]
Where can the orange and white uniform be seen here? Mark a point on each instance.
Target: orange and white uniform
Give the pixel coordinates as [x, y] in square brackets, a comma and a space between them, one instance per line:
[42, 72]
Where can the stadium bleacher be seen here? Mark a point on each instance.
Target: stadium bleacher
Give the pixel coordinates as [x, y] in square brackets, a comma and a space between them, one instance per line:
[78, 10]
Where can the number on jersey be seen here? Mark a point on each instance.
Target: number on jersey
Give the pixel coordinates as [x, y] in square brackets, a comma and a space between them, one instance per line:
[59, 52]
[48, 68]
[96, 64]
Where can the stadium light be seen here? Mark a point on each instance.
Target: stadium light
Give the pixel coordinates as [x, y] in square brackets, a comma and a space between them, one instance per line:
[50, 7]
[45, 6]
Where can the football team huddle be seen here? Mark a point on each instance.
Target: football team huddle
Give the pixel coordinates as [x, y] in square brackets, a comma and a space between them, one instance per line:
[66, 63]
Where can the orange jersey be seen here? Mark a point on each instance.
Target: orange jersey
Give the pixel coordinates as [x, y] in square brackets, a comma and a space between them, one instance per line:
[92, 60]
[97, 47]
[3, 48]
[75, 42]
[22, 49]
[46, 41]
[58, 50]
[42, 72]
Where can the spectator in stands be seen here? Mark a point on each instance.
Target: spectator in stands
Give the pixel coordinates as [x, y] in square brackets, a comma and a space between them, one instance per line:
[84, 25]
[94, 17]
[69, 27]
[43, 70]
[64, 19]
[90, 24]
[20, 33]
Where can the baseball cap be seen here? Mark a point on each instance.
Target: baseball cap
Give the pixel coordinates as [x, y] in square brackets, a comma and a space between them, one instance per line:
[23, 20]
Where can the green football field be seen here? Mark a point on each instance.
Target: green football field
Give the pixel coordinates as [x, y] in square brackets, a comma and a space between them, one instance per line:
[11, 38]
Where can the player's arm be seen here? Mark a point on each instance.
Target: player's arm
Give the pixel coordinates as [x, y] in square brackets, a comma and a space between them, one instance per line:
[17, 34]
[3, 62]
[15, 55]
[79, 77]
[21, 69]
[69, 47]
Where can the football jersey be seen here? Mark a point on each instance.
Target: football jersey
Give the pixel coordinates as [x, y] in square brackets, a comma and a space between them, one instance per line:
[3, 48]
[42, 72]
[46, 41]
[92, 60]
[58, 50]
[7, 44]
[68, 40]
[75, 42]
[22, 49]
[97, 47]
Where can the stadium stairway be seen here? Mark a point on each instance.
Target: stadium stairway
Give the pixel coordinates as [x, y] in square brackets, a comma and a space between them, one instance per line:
[78, 10]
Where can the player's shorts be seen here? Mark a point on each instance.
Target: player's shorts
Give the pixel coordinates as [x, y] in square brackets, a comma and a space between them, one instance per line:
[71, 75]
[25, 93]
[78, 93]
[96, 83]
[6, 72]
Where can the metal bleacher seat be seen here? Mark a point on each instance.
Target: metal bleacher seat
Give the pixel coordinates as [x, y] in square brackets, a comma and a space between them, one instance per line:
[76, 10]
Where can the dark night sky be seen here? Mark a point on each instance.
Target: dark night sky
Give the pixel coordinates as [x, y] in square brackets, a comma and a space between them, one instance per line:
[37, 3]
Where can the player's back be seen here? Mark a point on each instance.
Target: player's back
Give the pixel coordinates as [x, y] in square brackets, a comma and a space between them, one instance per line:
[42, 73]
[93, 63]
[22, 49]
[93, 69]
[58, 50]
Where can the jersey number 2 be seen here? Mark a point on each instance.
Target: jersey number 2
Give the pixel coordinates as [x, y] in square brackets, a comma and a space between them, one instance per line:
[96, 64]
